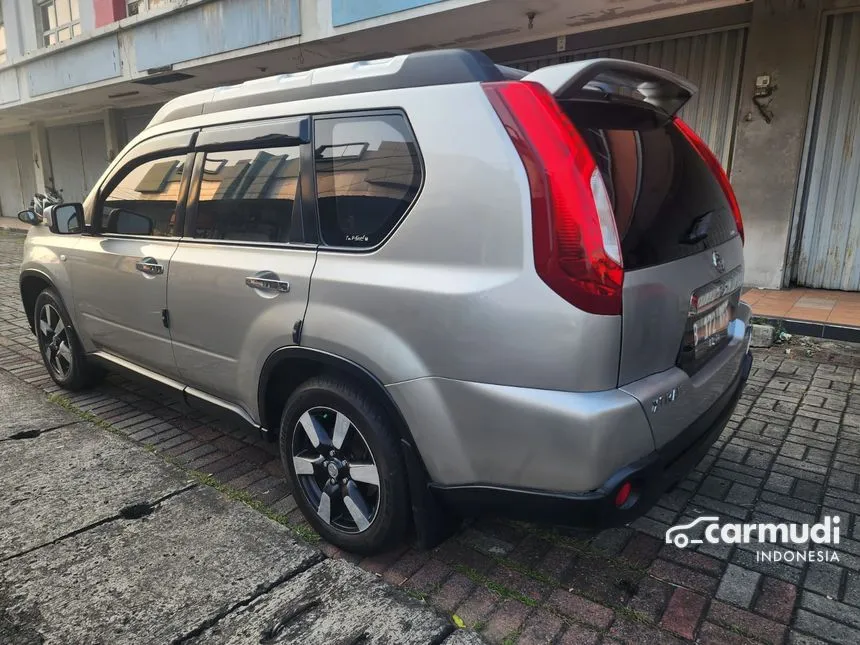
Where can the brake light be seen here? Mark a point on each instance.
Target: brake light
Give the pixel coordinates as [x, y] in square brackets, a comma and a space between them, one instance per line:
[576, 248]
[715, 167]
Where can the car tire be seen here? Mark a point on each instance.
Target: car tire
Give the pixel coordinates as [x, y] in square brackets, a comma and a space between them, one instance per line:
[59, 345]
[335, 441]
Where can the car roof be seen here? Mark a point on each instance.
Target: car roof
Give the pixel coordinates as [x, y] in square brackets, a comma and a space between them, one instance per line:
[420, 69]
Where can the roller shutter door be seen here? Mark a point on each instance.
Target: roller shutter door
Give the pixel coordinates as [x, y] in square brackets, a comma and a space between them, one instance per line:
[78, 158]
[829, 253]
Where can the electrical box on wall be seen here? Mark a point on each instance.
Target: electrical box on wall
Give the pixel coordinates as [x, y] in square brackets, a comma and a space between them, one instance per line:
[763, 85]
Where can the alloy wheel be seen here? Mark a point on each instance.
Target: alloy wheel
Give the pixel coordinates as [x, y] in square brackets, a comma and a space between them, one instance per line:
[336, 469]
[56, 344]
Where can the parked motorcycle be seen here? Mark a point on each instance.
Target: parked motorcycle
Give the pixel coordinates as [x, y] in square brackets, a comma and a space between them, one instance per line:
[41, 201]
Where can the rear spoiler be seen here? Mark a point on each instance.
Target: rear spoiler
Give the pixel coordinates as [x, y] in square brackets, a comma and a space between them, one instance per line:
[609, 78]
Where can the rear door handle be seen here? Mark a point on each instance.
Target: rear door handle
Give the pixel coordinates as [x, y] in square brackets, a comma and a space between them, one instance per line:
[267, 284]
[149, 266]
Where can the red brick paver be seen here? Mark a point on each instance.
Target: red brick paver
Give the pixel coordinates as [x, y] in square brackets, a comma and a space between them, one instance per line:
[683, 613]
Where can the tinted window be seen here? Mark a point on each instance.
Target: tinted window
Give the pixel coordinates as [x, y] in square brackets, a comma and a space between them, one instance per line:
[667, 203]
[248, 195]
[368, 173]
[144, 201]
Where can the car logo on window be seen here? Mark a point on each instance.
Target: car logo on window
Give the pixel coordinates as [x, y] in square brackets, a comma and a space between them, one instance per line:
[718, 262]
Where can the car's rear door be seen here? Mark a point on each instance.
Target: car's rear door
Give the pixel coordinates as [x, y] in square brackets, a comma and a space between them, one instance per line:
[240, 278]
[683, 326]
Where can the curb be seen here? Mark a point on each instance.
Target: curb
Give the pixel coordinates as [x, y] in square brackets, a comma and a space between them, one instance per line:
[826, 331]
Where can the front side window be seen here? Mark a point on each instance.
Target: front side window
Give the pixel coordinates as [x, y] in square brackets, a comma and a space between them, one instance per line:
[58, 20]
[144, 200]
[248, 195]
[368, 173]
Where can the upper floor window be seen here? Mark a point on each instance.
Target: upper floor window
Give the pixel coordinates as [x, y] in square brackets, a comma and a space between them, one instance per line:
[2, 37]
[58, 20]
[134, 7]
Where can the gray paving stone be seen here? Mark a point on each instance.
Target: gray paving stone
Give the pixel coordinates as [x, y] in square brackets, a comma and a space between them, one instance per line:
[746, 559]
[715, 487]
[796, 638]
[738, 585]
[831, 608]
[155, 579]
[824, 578]
[486, 544]
[779, 483]
[741, 495]
[852, 588]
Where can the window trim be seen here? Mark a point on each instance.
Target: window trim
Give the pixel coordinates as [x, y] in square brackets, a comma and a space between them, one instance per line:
[230, 143]
[393, 111]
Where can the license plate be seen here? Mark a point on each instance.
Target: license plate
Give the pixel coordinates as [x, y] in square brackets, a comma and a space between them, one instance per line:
[711, 328]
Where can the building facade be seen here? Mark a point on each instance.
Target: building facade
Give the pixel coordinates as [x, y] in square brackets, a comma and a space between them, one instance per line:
[778, 101]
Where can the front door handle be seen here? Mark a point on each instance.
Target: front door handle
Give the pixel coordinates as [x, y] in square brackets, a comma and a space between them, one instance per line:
[149, 266]
[267, 284]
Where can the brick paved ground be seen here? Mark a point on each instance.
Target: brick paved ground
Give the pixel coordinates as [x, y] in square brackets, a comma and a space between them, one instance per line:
[791, 452]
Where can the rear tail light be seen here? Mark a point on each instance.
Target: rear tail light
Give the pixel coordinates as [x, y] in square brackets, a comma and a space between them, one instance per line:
[715, 167]
[576, 247]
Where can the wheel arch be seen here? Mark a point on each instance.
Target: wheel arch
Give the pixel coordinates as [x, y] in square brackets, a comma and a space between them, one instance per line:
[31, 283]
[288, 367]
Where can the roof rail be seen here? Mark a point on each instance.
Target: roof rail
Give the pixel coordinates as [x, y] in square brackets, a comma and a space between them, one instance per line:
[439, 67]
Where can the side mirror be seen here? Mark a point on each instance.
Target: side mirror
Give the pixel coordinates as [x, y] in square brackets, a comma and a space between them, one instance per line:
[29, 217]
[65, 219]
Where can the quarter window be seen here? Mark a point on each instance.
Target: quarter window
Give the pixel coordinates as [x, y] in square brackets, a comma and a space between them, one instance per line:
[248, 195]
[58, 20]
[144, 201]
[368, 173]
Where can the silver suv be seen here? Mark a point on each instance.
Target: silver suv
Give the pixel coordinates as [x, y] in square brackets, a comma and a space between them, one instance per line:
[441, 284]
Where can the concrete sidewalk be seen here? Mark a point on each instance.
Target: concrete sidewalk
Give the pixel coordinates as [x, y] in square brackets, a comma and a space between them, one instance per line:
[103, 542]
[13, 224]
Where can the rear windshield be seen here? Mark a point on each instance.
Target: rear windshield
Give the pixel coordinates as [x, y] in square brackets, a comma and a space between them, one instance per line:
[667, 204]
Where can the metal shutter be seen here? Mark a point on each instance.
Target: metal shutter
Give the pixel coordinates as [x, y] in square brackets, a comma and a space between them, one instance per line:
[78, 158]
[828, 256]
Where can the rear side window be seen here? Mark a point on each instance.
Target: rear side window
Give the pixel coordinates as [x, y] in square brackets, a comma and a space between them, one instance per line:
[667, 203]
[248, 195]
[368, 173]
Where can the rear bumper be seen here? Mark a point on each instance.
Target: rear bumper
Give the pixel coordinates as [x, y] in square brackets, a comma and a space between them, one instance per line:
[649, 476]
